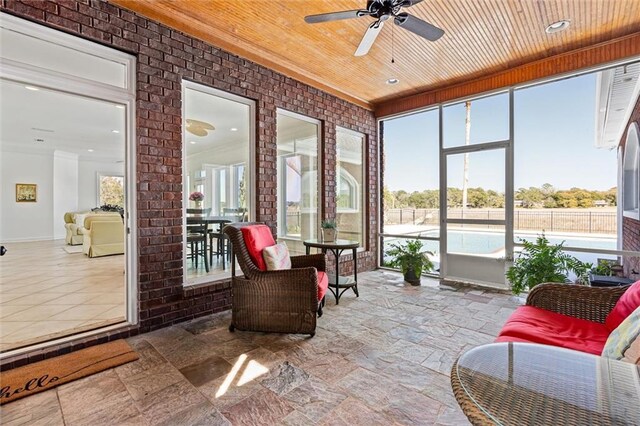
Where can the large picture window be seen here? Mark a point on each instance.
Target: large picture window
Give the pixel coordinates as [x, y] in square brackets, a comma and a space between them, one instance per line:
[297, 169]
[350, 185]
[218, 140]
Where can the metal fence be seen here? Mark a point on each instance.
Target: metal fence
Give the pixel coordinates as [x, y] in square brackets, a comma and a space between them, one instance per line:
[551, 220]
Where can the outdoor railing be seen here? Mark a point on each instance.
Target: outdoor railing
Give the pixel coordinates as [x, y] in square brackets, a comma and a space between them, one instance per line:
[553, 220]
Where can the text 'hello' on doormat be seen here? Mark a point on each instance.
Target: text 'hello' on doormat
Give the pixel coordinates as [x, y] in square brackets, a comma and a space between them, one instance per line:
[43, 375]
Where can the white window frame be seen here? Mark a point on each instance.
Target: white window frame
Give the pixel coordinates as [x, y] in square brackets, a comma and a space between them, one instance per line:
[358, 201]
[251, 187]
[631, 174]
[99, 176]
[65, 83]
[282, 212]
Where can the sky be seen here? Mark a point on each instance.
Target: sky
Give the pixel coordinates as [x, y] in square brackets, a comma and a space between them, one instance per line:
[554, 141]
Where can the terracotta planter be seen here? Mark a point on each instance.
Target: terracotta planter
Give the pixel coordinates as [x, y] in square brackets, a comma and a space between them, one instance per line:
[329, 235]
[411, 277]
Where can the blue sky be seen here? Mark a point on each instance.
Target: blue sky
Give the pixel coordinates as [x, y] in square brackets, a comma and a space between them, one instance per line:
[554, 141]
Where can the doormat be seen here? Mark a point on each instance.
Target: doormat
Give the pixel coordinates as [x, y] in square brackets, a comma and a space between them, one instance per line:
[43, 375]
[72, 249]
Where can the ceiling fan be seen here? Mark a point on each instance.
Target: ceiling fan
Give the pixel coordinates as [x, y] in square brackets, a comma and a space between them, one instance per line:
[198, 128]
[382, 10]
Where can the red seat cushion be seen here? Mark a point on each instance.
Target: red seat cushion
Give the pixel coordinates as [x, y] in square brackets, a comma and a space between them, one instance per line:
[627, 303]
[323, 284]
[536, 325]
[256, 238]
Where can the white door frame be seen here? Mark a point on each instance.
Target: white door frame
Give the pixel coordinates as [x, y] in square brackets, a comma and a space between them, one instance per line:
[485, 270]
[83, 87]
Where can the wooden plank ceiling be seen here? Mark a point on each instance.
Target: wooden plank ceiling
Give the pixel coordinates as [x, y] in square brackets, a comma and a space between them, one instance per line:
[481, 38]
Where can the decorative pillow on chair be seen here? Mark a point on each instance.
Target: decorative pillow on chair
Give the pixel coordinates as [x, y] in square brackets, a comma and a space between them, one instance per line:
[78, 218]
[625, 340]
[627, 303]
[277, 257]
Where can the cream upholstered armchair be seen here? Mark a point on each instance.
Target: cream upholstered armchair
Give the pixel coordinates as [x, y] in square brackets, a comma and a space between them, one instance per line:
[73, 237]
[102, 235]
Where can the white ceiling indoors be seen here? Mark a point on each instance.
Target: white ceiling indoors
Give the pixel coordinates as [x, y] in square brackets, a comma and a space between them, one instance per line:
[41, 121]
[221, 145]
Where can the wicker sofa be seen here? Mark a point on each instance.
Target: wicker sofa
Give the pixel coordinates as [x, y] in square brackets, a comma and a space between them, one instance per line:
[283, 301]
[571, 316]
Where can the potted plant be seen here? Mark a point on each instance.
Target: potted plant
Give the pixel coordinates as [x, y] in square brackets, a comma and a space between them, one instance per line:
[329, 230]
[542, 262]
[197, 198]
[411, 260]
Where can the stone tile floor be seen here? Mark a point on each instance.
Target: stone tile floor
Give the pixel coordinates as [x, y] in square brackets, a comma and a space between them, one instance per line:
[383, 358]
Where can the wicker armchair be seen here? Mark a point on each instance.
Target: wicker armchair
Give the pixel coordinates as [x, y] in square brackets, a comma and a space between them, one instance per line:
[588, 303]
[283, 301]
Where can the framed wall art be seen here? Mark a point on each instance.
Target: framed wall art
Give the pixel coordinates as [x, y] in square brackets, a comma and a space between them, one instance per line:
[26, 193]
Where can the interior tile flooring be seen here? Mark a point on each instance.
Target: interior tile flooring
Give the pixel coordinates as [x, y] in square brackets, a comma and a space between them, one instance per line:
[381, 359]
[47, 292]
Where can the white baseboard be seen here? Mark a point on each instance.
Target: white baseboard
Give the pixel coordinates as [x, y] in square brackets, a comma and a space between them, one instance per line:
[30, 239]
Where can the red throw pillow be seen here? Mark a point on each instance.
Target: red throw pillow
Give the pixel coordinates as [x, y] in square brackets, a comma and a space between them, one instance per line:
[256, 238]
[627, 303]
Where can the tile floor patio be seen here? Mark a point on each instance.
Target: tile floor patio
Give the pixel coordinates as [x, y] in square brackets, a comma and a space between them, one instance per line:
[383, 358]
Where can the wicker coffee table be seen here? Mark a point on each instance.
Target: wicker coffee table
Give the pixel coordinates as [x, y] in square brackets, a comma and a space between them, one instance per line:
[528, 384]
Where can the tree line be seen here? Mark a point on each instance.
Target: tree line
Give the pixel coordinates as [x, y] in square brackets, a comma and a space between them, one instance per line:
[544, 197]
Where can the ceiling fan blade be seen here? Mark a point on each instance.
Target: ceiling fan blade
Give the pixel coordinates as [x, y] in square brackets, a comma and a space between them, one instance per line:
[334, 16]
[198, 131]
[418, 26]
[368, 39]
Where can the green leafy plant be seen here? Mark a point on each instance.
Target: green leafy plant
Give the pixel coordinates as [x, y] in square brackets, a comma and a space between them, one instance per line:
[410, 257]
[604, 267]
[541, 262]
[328, 224]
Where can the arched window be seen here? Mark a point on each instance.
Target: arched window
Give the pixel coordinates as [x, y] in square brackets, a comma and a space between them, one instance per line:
[631, 174]
[348, 192]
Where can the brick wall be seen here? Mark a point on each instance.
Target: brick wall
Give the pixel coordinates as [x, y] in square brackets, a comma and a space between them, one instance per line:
[631, 227]
[164, 58]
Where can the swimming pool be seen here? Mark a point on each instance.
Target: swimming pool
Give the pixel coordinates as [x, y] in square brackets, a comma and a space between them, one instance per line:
[489, 243]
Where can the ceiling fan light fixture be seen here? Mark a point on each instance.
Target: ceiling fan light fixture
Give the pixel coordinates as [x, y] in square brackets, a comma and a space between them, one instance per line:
[558, 26]
[392, 81]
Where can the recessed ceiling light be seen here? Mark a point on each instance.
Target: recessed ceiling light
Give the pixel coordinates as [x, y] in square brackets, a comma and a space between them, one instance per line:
[35, 89]
[393, 81]
[558, 26]
[192, 142]
[90, 150]
[119, 106]
[234, 129]
[115, 131]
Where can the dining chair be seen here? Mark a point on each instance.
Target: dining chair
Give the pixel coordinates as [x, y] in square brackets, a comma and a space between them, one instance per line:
[197, 240]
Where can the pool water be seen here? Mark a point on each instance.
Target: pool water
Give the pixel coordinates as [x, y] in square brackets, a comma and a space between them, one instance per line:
[492, 243]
